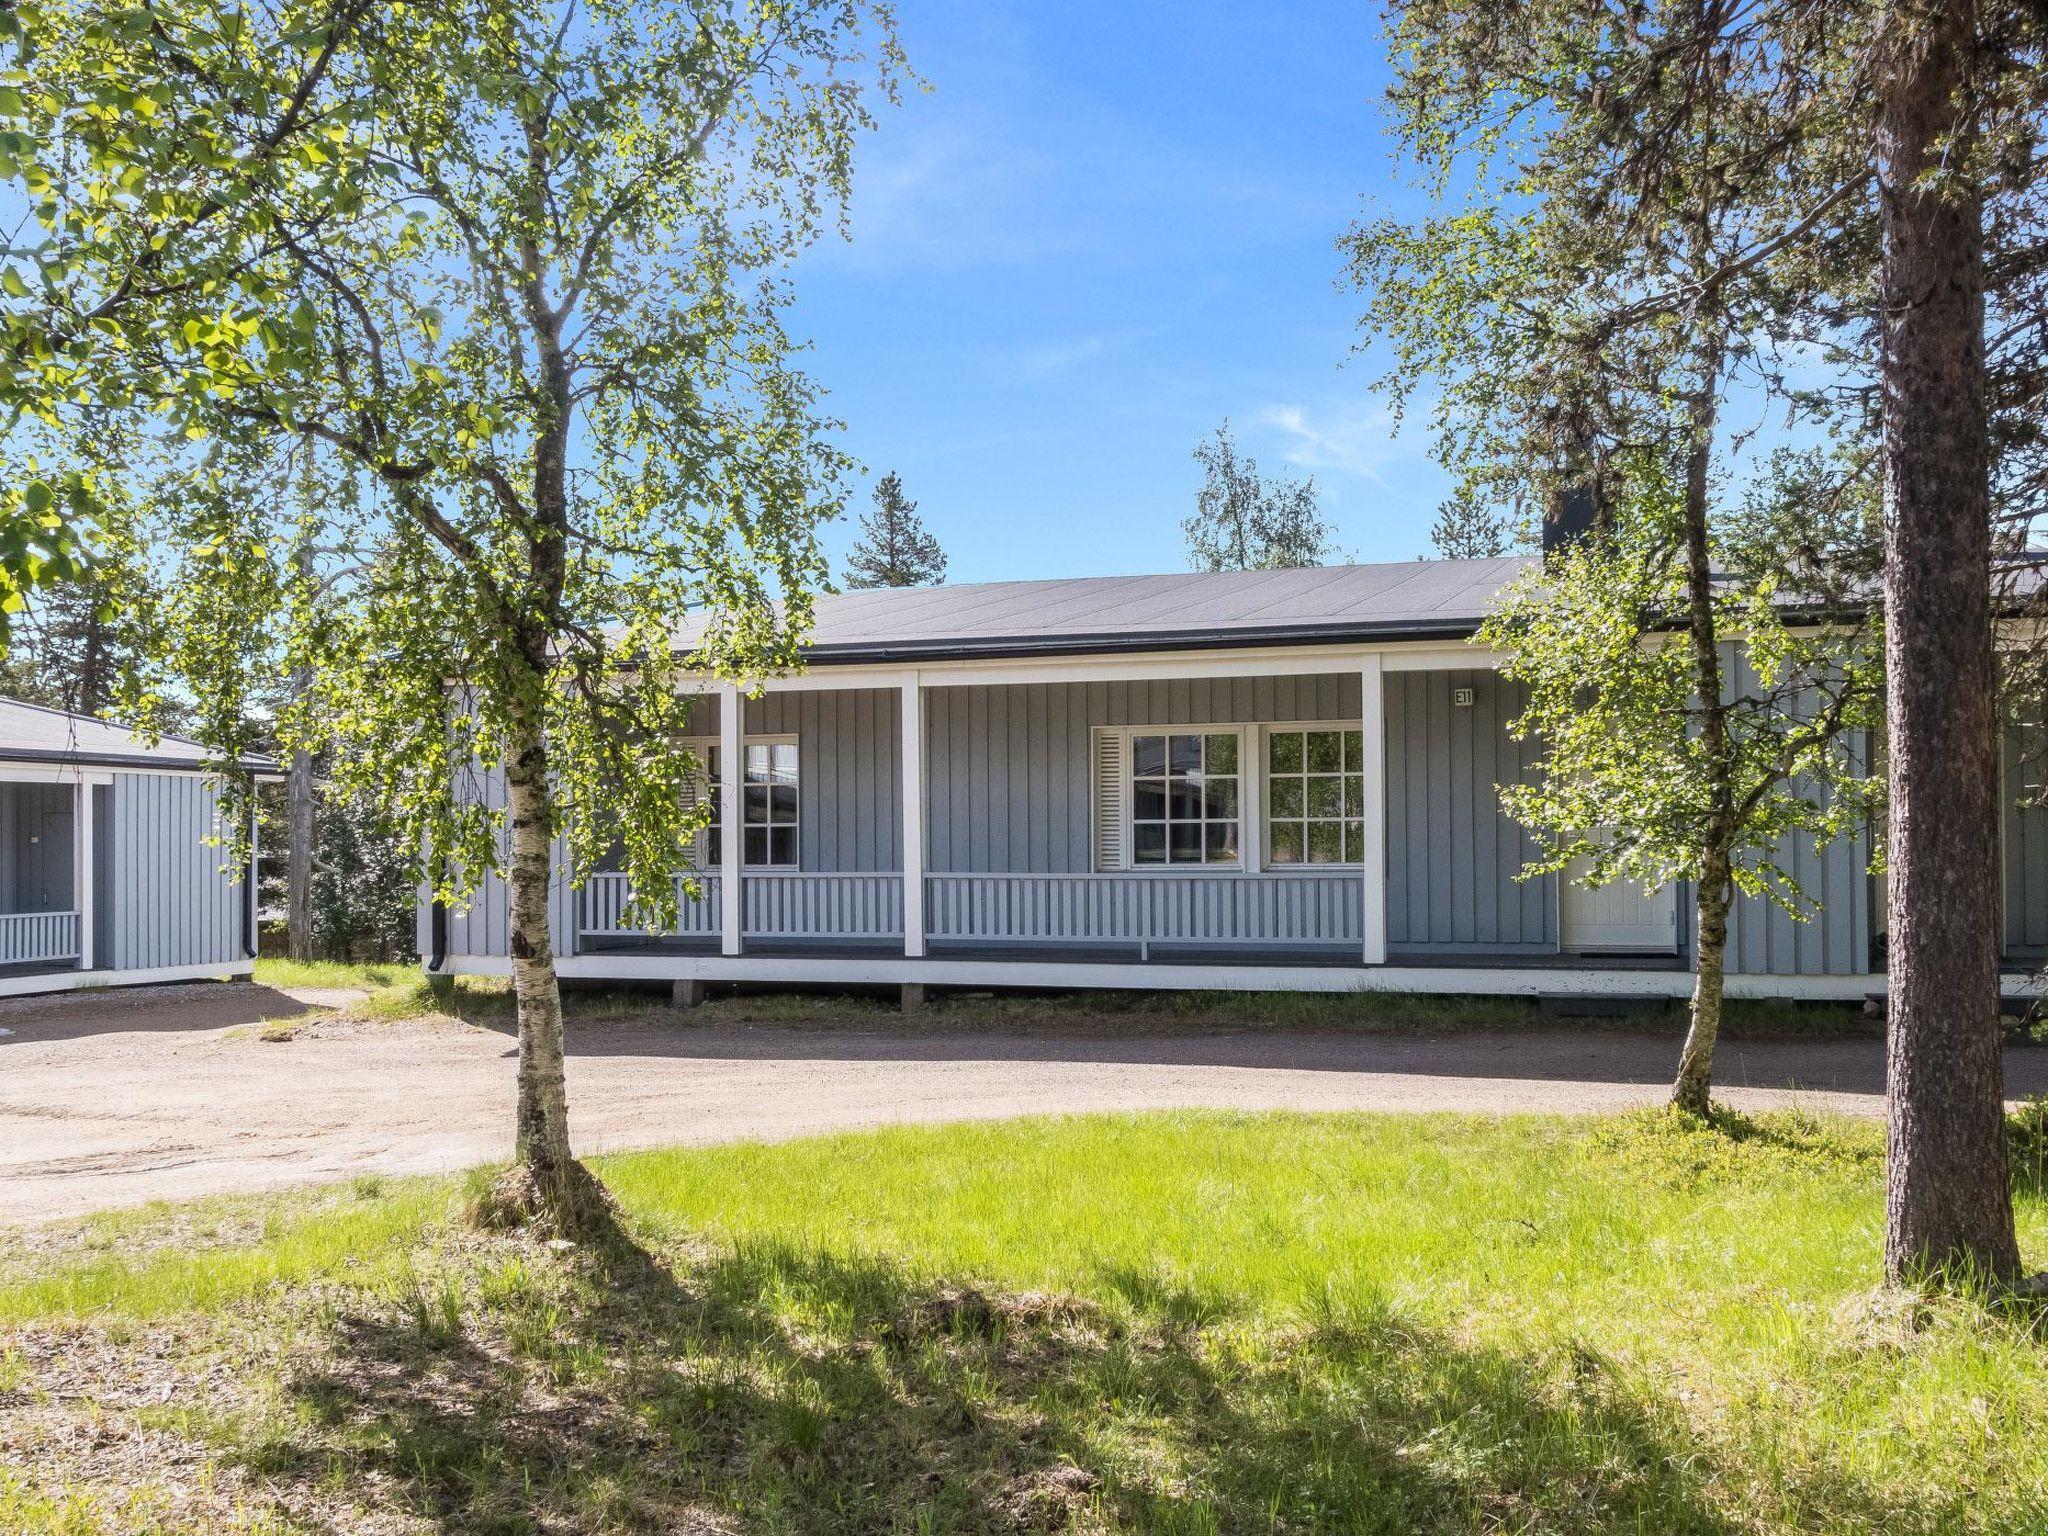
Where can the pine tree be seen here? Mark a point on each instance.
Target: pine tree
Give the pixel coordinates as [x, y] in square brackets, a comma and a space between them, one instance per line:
[894, 548]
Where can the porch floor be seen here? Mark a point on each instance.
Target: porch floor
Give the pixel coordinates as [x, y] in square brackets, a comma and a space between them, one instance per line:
[1166, 954]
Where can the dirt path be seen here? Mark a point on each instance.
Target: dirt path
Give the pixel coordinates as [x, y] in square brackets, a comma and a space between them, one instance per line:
[112, 1099]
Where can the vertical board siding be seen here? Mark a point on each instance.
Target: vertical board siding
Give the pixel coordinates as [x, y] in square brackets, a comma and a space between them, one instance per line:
[1766, 940]
[102, 878]
[37, 825]
[482, 925]
[1008, 766]
[172, 904]
[1452, 852]
[2024, 780]
[849, 772]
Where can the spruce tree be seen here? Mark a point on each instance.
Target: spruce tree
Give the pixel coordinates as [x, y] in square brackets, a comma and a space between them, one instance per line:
[894, 548]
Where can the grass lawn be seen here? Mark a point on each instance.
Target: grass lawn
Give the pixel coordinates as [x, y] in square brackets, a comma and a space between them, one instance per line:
[1183, 1322]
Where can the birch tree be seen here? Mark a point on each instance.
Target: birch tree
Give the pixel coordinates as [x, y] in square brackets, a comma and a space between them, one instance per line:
[520, 265]
[1639, 205]
[1246, 521]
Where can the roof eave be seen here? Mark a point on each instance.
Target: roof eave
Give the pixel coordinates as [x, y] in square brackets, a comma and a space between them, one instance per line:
[261, 767]
[1033, 647]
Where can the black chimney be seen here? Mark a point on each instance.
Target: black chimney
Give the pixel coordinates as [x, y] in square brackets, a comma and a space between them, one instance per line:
[1571, 518]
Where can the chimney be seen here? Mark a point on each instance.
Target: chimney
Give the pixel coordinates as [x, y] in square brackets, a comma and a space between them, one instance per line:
[1570, 520]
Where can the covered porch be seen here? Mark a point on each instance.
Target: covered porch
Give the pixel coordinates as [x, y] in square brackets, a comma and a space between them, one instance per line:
[45, 872]
[1305, 807]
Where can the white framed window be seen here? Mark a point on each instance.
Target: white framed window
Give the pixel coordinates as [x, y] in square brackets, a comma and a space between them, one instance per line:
[1315, 794]
[1169, 796]
[771, 819]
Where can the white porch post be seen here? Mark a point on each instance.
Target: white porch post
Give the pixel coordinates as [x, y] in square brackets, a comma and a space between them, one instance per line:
[913, 815]
[732, 752]
[1373, 720]
[81, 883]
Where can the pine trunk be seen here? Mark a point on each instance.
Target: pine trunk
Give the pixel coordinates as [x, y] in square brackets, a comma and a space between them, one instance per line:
[298, 869]
[299, 826]
[1948, 1207]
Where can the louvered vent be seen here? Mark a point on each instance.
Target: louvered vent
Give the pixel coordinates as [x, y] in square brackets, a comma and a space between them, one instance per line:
[1111, 836]
[697, 789]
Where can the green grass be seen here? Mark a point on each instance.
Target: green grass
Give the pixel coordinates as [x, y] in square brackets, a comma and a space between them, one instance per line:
[1175, 1323]
[398, 990]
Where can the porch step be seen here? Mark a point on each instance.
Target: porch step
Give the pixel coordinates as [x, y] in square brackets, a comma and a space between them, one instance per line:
[1591, 1005]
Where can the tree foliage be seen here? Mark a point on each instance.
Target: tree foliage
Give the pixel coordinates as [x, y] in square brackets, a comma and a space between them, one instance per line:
[1246, 521]
[517, 265]
[1647, 218]
[1597, 636]
[894, 548]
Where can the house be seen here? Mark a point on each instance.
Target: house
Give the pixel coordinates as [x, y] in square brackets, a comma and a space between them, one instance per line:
[1262, 779]
[108, 872]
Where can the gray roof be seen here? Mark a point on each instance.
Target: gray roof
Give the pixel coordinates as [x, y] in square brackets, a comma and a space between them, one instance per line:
[31, 733]
[1415, 599]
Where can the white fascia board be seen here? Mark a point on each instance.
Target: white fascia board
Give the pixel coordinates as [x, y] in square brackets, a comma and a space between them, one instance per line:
[70, 773]
[1145, 666]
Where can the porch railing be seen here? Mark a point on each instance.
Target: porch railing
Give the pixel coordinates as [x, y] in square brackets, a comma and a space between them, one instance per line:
[1207, 908]
[782, 904]
[606, 911]
[38, 938]
[774, 904]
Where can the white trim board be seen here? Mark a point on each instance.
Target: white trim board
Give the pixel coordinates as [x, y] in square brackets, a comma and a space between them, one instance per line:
[1140, 666]
[73, 981]
[1498, 981]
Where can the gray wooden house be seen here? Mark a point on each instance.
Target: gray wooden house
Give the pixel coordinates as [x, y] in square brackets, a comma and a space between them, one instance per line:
[108, 873]
[1267, 779]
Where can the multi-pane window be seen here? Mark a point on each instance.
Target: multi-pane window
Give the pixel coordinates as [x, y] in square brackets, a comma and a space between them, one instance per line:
[1184, 802]
[768, 804]
[1315, 797]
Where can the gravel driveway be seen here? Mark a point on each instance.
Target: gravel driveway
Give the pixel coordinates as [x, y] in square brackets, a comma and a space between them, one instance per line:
[114, 1098]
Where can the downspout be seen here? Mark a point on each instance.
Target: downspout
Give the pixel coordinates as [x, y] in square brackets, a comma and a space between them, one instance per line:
[249, 924]
[437, 927]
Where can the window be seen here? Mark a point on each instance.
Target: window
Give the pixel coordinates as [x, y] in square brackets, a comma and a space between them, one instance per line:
[1315, 797]
[768, 804]
[1184, 798]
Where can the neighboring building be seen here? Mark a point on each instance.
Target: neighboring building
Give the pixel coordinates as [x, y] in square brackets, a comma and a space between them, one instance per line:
[107, 871]
[1266, 779]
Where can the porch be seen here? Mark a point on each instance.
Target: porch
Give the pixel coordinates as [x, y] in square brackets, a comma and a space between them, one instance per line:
[1308, 809]
[1315, 817]
[44, 886]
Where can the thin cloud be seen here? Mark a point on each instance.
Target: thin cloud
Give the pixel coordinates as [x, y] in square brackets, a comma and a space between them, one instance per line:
[1352, 439]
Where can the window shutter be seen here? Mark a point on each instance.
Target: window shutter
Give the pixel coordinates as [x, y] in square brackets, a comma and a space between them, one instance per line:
[1111, 831]
[696, 790]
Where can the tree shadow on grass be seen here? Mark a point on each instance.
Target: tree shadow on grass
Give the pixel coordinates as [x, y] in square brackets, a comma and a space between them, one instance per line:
[776, 1388]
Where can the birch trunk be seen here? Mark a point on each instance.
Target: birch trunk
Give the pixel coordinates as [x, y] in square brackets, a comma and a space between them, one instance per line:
[542, 1132]
[1948, 1207]
[1693, 1089]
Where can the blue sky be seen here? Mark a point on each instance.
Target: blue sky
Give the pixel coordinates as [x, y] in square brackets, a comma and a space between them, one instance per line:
[1104, 229]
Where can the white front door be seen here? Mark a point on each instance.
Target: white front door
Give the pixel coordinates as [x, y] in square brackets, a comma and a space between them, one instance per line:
[1618, 917]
